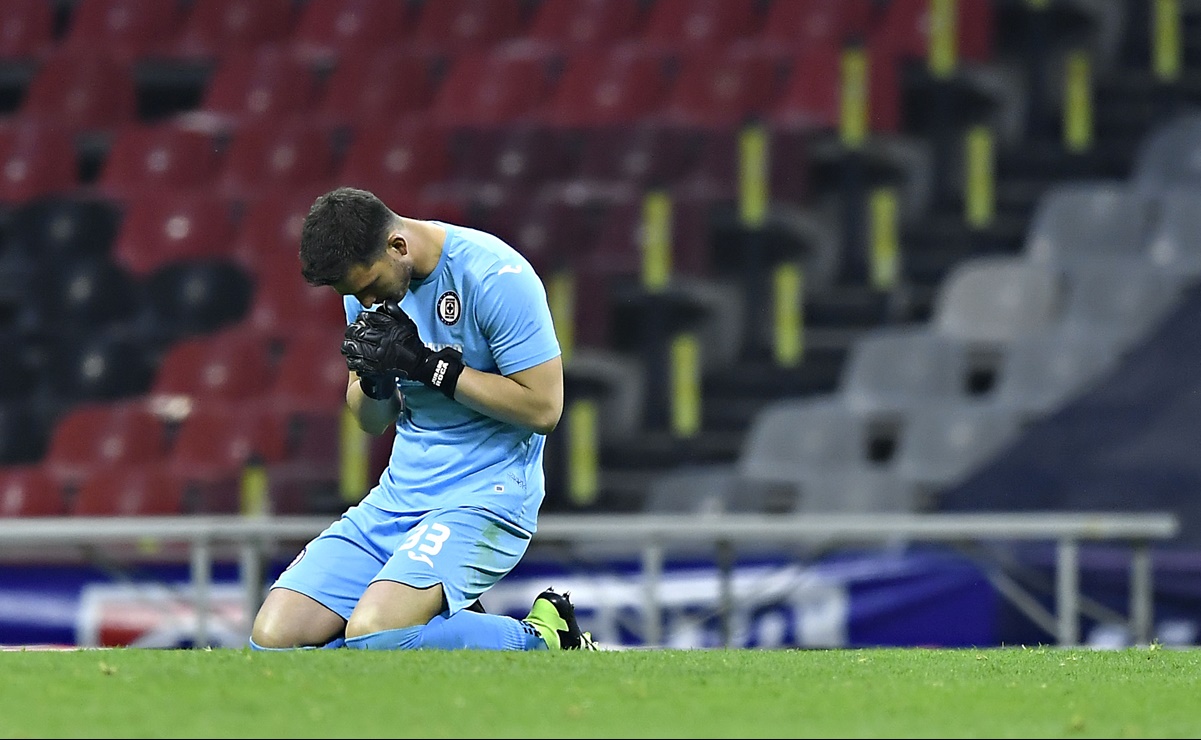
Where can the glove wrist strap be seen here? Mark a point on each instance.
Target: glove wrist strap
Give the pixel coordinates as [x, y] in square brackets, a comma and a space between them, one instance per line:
[444, 369]
[378, 387]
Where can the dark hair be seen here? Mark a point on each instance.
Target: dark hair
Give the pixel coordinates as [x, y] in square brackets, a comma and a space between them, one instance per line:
[344, 227]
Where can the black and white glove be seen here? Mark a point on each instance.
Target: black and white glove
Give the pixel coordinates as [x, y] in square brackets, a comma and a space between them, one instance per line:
[385, 343]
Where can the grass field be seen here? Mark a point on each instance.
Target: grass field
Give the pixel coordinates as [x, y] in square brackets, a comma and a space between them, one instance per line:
[1000, 692]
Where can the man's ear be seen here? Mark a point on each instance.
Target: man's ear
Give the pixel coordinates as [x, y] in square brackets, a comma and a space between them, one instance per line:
[397, 241]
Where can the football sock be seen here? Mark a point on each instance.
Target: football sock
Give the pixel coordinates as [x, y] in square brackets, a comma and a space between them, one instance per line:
[462, 630]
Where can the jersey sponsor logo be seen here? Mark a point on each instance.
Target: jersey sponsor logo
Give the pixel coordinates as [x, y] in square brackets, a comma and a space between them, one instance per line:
[515, 269]
[449, 308]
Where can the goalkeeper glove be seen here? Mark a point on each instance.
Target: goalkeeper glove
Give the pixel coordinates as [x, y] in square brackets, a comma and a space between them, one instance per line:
[385, 342]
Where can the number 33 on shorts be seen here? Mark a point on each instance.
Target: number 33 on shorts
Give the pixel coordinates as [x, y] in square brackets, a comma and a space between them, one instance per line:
[426, 541]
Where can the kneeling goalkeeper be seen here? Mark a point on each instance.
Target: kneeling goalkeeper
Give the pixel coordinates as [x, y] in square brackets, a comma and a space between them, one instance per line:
[449, 340]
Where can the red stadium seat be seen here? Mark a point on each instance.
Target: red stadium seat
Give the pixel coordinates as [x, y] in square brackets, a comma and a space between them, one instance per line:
[363, 88]
[269, 230]
[462, 26]
[216, 27]
[312, 373]
[680, 24]
[615, 85]
[407, 154]
[572, 25]
[157, 158]
[794, 25]
[724, 87]
[82, 91]
[270, 156]
[327, 29]
[232, 365]
[492, 87]
[905, 29]
[93, 436]
[260, 83]
[130, 490]
[130, 29]
[30, 490]
[162, 228]
[216, 442]
[284, 302]
[812, 95]
[35, 160]
[26, 30]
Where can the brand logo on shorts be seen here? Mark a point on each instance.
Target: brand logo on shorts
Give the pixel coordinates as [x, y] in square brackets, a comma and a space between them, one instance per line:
[449, 308]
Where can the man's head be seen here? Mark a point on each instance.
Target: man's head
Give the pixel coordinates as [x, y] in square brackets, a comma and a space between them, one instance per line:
[353, 242]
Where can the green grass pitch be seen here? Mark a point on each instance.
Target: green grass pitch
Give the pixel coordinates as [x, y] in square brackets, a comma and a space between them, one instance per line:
[876, 692]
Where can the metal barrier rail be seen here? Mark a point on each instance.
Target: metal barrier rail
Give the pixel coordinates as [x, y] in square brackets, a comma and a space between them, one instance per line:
[651, 535]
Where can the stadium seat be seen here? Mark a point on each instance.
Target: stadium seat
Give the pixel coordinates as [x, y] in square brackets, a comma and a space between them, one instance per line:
[26, 31]
[128, 29]
[906, 25]
[195, 296]
[286, 156]
[787, 439]
[89, 364]
[495, 86]
[215, 27]
[327, 29]
[1080, 222]
[465, 26]
[283, 303]
[362, 87]
[724, 87]
[614, 85]
[30, 490]
[857, 491]
[798, 24]
[35, 161]
[82, 91]
[160, 228]
[23, 358]
[941, 444]
[261, 83]
[269, 230]
[312, 373]
[694, 489]
[231, 365]
[654, 153]
[677, 25]
[992, 299]
[89, 293]
[214, 445]
[1169, 156]
[1174, 244]
[64, 226]
[890, 371]
[518, 156]
[1120, 302]
[570, 25]
[155, 158]
[92, 436]
[407, 154]
[1040, 372]
[135, 489]
[812, 93]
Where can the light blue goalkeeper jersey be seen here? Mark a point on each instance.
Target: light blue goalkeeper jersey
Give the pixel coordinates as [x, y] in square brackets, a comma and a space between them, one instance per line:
[485, 300]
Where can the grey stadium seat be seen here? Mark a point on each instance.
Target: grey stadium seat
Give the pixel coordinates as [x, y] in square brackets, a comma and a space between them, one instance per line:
[1175, 242]
[995, 299]
[1039, 373]
[787, 437]
[1169, 157]
[890, 371]
[941, 444]
[1081, 222]
[1120, 302]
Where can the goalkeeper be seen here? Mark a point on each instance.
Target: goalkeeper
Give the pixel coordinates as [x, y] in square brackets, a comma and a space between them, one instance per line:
[450, 341]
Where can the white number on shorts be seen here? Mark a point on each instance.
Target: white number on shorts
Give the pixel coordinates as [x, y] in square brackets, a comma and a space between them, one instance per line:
[433, 535]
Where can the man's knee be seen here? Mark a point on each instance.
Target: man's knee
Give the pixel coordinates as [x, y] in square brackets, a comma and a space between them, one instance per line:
[388, 605]
[289, 620]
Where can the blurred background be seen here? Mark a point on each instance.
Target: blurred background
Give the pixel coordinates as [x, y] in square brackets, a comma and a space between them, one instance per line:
[860, 256]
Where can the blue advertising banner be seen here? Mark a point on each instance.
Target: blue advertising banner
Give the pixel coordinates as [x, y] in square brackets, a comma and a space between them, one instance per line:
[847, 600]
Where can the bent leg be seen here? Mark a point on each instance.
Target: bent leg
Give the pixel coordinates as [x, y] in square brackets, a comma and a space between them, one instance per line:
[288, 619]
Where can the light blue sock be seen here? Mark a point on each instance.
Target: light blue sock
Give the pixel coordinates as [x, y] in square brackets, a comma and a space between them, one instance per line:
[337, 642]
[463, 630]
